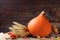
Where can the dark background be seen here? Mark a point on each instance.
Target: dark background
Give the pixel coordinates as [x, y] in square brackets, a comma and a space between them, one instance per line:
[23, 10]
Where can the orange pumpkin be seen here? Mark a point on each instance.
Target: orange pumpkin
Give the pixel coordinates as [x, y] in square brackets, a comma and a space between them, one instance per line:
[39, 26]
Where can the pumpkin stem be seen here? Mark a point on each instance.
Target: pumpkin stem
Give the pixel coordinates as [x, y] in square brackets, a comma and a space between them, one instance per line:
[42, 14]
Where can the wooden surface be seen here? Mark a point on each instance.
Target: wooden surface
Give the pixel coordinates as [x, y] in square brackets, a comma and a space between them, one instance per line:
[24, 10]
[36, 39]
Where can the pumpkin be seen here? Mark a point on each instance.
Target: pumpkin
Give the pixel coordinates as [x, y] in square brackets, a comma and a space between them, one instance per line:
[39, 26]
